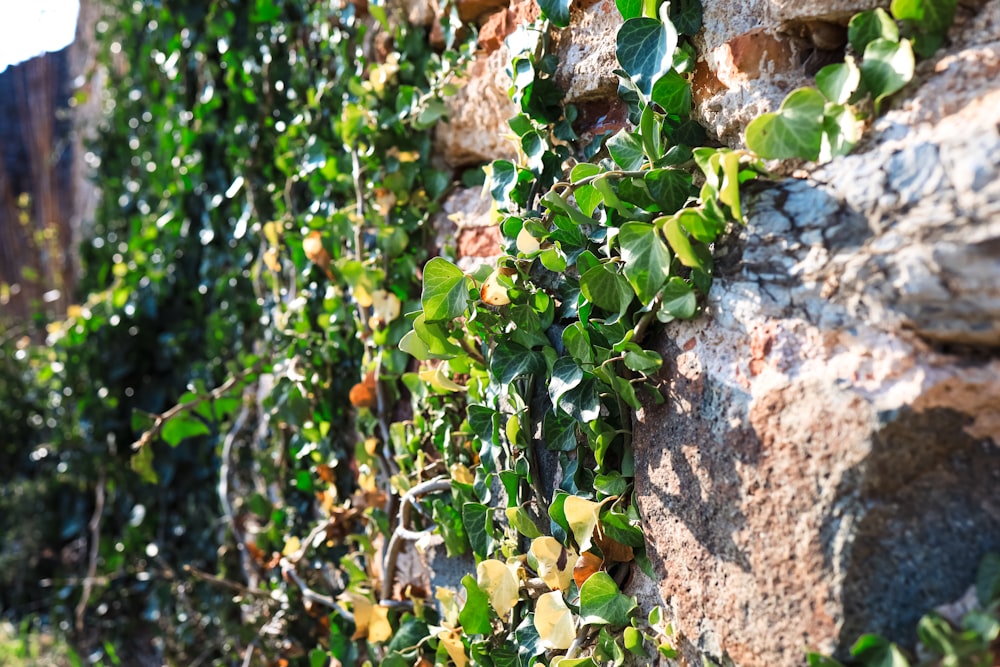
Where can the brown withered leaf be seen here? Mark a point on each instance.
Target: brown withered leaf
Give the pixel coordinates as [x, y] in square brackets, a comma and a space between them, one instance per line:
[614, 552]
[587, 564]
[363, 393]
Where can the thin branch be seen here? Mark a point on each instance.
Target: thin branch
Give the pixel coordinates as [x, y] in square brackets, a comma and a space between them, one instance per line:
[160, 420]
[403, 532]
[226, 583]
[95, 543]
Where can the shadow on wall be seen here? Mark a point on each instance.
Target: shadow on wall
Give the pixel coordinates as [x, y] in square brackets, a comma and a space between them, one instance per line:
[933, 510]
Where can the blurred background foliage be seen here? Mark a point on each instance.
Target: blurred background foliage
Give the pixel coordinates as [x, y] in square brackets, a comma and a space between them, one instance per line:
[231, 130]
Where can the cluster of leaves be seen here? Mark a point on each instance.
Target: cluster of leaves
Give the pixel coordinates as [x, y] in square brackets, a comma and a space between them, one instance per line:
[548, 343]
[826, 122]
[973, 642]
[269, 187]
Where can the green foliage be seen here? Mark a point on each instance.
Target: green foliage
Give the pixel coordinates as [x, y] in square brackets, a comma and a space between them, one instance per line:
[260, 264]
[821, 125]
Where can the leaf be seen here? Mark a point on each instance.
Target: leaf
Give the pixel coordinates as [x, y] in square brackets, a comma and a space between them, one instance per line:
[680, 243]
[476, 518]
[556, 11]
[647, 259]
[645, 50]
[679, 299]
[582, 516]
[887, 67]
[497, 580]
[361, 606]
[553, 562]
[521, 521]
[559, 431]
[643, 361]
[379, 627]
[475, 614]
[606, 289]
[866, 27]
[182, 427]
[839, 81]
[445, 294]
[510, 361]
[554, 622]
[670, 188]
[629, 9]
[686, 15]
[602, 602]
[795, 130]
[672, 93]
[875, 651]
[841, 132]
[929, 16]
[587, 565]
[626, 149]
[566, 375]
[142, 464]
[577, 342]
[451, 639]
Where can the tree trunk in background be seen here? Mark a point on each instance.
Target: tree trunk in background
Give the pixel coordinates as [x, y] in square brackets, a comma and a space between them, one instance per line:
[45, 196]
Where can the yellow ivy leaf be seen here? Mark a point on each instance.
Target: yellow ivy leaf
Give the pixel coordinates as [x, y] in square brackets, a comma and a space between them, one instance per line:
[492, 292]
[292, 545]
[452, 642]
[554, 621]
[500, 583]
[449, 604]
[582, 515]
[436, 378]
[526, 243]
[386, 307]
[361, 606]
[554, 562]
[379, 629]
[461, 473]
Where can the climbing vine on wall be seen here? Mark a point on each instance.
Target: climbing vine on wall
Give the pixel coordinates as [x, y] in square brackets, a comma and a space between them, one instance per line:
[273, 335]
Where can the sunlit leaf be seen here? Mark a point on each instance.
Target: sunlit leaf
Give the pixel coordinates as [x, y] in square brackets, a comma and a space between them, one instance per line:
[602, 602]
[554, 621]
[500, 583]
[554, 562]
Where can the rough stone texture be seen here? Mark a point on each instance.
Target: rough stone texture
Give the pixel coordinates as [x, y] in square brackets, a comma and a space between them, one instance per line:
[478, 114]
[586, 52]
[827, 459]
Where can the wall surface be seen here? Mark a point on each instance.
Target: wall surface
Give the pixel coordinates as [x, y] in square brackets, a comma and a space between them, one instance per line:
[827, 458]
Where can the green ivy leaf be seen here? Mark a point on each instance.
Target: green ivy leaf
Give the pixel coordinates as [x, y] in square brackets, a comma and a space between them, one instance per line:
[475, 615]
[795, 130]
[629, 9]
[875, 651]
[478, 526]
[928, 16]
[606, 289]
[521, 521]
[672, 93]
[681, 244]
[839, 81]
[686, 15]
[566, 375]
[643, 361]
[445, 295]
[670, 188]
[559, 431]
[142, 464]
[626, 149]
[182, 427]
[582, 402]
[679, 299]
[841, 131]
[556, 11]
[646, 50]
[602, 603]
[887, 67]
[577, 342]
[988, 579]
[646, 257]
[866, 27]
[510, 361]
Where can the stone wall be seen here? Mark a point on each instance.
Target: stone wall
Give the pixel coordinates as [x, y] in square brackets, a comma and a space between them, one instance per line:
[828, 457]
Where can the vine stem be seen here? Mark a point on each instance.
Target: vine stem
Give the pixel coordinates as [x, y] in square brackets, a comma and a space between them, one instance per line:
[402, 531]
[161, 419]
[95, 543]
